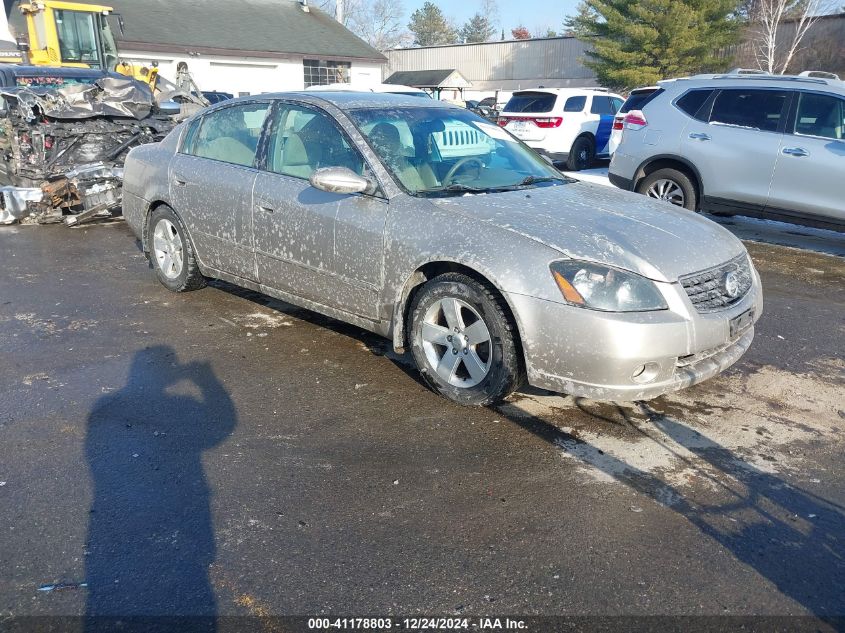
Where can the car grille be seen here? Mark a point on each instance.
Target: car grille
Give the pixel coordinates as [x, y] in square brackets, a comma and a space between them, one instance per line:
[709, 289]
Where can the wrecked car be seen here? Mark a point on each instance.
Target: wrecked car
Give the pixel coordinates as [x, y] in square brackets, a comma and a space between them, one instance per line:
[491, 268]
[62, 146]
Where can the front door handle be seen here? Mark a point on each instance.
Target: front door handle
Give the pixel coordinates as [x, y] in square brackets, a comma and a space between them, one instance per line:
[795, 151]
[263, 206]
[700, 136]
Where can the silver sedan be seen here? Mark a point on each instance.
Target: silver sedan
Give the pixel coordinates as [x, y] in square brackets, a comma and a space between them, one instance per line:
[429, 225]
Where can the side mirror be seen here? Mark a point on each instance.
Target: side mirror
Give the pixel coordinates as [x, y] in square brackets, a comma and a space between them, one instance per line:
[339, 180]
[548, 159]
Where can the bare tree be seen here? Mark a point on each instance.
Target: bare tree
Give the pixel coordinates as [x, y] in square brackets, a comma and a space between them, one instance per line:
[779, 28]
[381, 24]
[378, 22]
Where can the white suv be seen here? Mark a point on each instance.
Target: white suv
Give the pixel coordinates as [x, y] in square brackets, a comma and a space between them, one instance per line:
[565, 124]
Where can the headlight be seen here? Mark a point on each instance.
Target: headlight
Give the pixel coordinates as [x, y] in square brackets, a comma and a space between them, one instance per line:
[598, 287]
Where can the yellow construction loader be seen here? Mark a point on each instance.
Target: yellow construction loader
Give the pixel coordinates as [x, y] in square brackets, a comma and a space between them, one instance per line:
[74, 35]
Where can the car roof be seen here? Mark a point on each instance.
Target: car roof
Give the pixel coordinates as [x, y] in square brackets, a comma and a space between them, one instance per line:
[763, 80]
[350, 100]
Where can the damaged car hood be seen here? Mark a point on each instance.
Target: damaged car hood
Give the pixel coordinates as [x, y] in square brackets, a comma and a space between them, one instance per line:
[109, 96]
[606, 225]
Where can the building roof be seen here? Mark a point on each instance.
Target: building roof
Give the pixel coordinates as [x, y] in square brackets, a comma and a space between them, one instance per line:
[243, 28]
[444, 78]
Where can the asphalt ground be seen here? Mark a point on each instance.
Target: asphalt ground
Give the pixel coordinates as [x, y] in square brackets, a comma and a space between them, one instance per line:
[219, 453]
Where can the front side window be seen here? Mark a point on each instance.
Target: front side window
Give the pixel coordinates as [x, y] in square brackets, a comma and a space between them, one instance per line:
[752, 109]
[435, 151]
[303, 140]
[820, 115]
[229, 135]
[602, 105]
[324, 73]
[77, 37]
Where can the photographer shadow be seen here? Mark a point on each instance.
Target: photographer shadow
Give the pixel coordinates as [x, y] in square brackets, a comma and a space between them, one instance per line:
[150, 533]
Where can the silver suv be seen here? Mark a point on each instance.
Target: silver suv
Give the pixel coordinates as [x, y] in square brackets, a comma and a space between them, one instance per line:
[747, 144]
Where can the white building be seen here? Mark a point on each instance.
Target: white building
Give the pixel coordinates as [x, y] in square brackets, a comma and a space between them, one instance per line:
[241, 46]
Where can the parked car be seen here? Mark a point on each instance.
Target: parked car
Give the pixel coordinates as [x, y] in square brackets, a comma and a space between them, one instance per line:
[396, 89]
[635, 101]
[749, 144]
[486, 111]
[491, 268]
[566, 124]
[215, 96]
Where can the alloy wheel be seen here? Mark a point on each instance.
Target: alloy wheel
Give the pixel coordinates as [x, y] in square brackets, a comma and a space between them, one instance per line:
[668, 190]
[168, 249]
[457, 342]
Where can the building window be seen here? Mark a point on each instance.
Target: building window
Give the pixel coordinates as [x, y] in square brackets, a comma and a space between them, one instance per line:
[324, 73]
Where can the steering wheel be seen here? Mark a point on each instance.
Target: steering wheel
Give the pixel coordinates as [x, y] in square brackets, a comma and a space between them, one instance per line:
[447, 179]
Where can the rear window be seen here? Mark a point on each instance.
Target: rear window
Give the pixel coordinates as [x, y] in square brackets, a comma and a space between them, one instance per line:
[531, 102]
[692, 101]
[638, 99]
[575, 104]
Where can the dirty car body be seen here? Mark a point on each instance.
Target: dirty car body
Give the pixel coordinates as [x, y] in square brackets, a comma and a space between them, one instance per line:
[578, 288]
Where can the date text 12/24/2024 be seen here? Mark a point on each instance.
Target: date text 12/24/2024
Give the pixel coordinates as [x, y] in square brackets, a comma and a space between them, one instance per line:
[416, 624]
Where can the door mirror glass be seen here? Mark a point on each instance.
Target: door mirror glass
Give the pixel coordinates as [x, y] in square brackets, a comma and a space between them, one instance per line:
[339, 180]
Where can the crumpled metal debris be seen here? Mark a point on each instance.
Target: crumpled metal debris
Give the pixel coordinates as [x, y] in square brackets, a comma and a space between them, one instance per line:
[109, 96]
[64, 148]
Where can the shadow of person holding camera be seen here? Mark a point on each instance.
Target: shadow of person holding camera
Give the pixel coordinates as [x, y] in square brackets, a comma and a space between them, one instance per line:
[150, 533]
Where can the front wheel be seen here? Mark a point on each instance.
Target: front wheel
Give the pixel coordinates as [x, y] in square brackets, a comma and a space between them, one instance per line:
[463, 342]
[670, 185]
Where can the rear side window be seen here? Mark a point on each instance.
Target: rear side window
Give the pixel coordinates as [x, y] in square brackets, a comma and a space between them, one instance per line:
[602, 105]
[531, 102]
[231, 135]
[692, 101]
[639, 98]
[191, 136]
[753, 109]
[575, 104]
[820, 115]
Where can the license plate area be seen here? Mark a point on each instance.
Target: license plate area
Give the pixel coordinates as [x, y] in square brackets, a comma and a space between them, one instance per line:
[741, 322]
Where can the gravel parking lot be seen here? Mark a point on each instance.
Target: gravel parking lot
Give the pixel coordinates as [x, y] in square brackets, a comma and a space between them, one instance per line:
[221, 453]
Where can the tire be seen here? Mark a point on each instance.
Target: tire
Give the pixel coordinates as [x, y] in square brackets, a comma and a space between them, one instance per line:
[185, 277]
[471, 374]
[667, 184]
[582, 154]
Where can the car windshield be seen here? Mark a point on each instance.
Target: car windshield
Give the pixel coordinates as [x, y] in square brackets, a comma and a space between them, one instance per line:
[435, 151]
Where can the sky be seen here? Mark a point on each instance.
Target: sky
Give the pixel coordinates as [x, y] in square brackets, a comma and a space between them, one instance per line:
[533, 14]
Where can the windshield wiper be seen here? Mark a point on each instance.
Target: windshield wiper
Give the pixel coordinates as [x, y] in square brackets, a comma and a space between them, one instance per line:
[533, 180]
[455, 187]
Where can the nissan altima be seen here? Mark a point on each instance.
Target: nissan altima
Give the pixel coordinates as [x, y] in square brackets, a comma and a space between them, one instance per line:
[439, 230]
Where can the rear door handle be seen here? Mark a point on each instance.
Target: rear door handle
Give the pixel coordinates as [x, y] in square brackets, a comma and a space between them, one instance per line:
[179, 180]
[700, 136]
[795, 151]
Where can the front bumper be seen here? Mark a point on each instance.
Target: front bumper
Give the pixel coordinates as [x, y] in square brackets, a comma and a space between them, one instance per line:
[597, 354]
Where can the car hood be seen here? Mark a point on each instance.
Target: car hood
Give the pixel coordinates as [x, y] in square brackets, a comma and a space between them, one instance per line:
[606, 225]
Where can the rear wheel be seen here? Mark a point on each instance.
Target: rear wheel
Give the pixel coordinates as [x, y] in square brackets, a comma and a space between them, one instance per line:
[582, 154]
[463, 342]
[670, 185]
[171, 253]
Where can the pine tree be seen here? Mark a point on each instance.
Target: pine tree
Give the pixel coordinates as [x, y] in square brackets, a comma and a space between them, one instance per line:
[477, 29]
[430, 27]
[638, 43]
